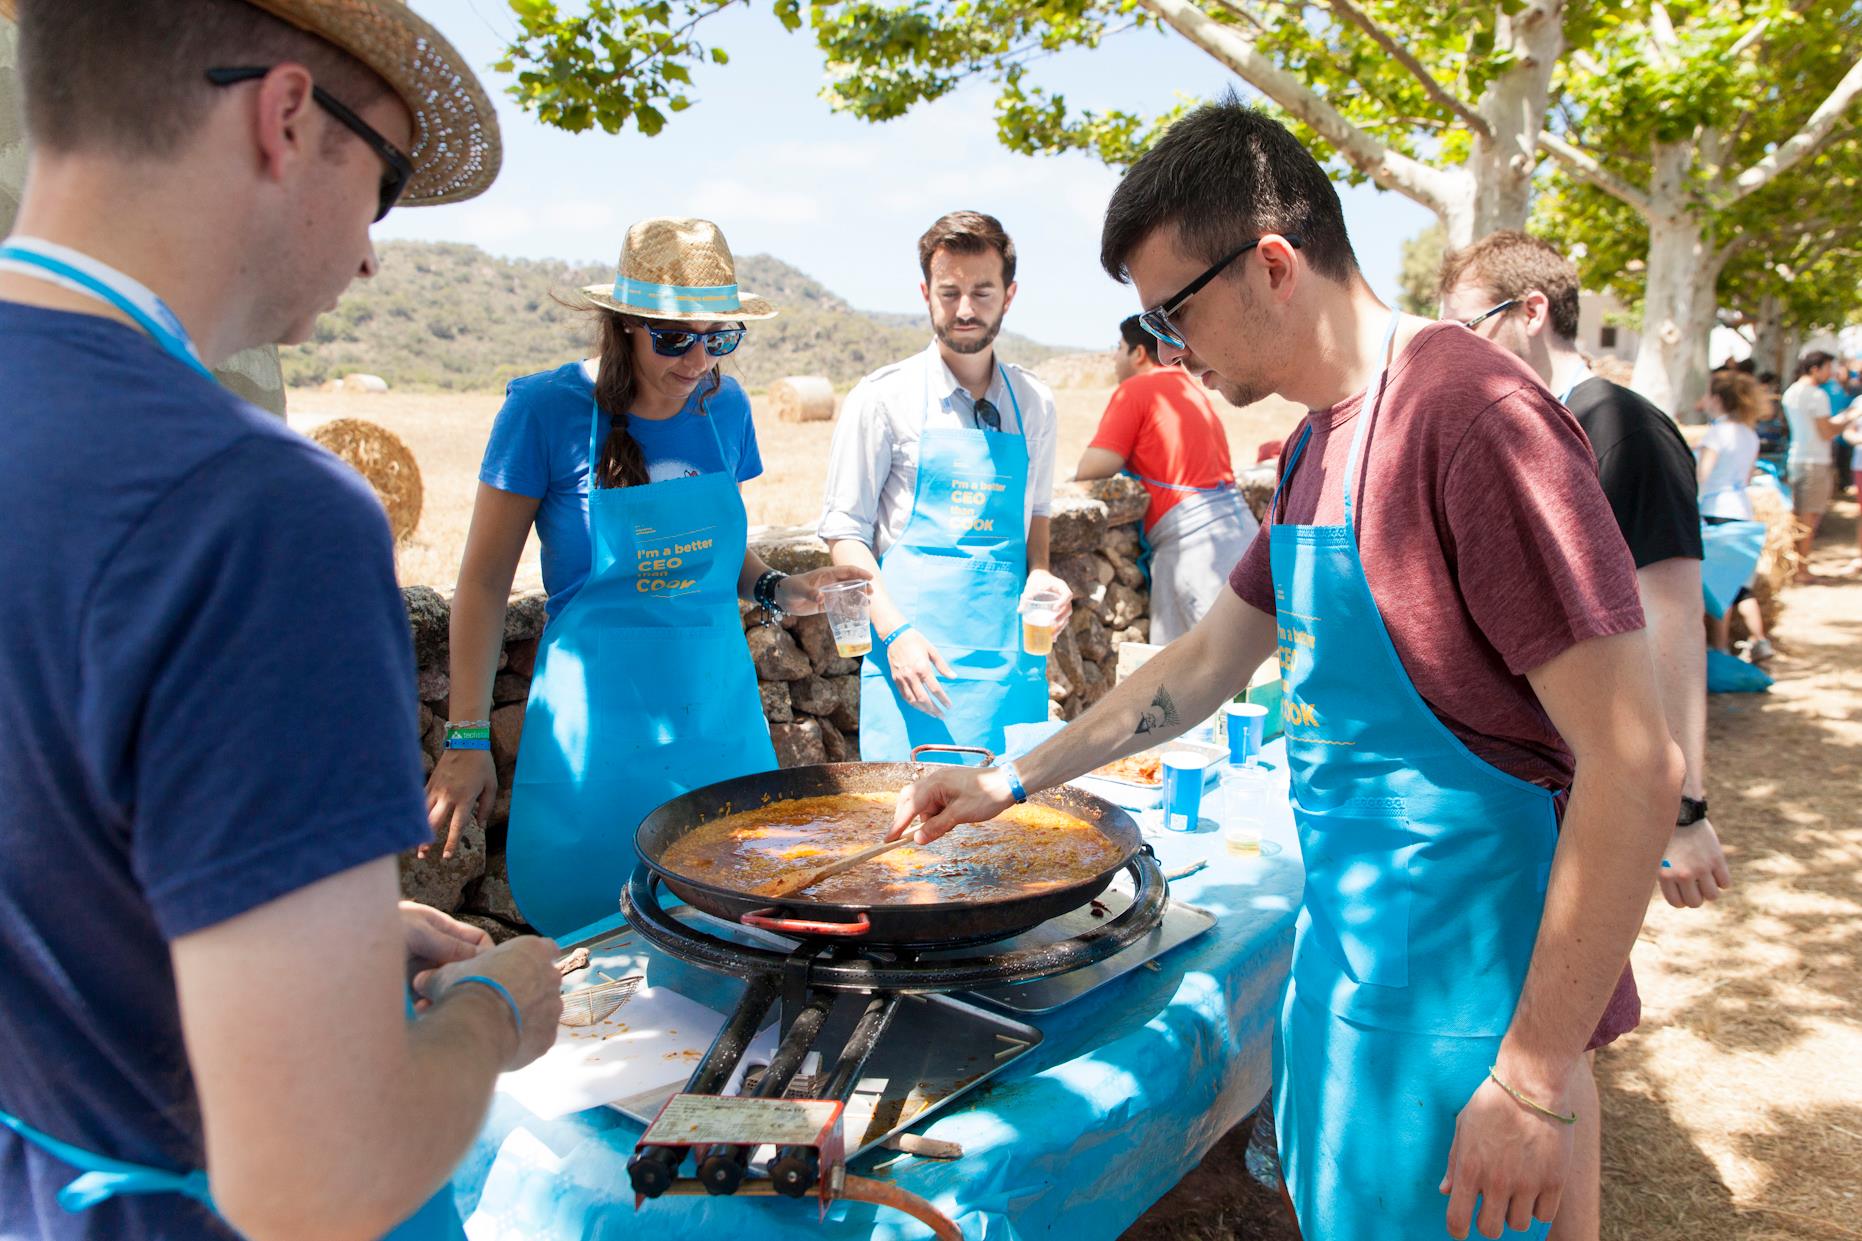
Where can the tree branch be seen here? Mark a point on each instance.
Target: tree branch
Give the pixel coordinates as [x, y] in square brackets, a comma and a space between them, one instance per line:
[1589, 170]
[1388, 168]
[1402, 55]
[1804, 142]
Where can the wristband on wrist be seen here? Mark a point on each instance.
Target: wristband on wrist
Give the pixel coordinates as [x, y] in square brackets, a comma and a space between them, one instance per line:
[1693, 810]
[1014, 777]
[764, 593]
[517, 1016]
[468, 735]
[1523, 1101]
[885, 643]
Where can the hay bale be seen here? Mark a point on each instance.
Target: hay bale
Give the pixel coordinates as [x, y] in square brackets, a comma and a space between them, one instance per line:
[360, 382]
[379, 456]
[803, 398]
[1778, 558]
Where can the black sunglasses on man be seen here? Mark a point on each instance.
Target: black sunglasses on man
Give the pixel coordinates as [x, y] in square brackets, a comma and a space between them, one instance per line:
[400, 169]
[1156, 320]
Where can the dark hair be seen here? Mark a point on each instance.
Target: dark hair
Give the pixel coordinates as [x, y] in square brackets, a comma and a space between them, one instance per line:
[1738, 394]
[1137, 338]
[967, 232]
[1222, 176]
[622, 463]
[1510, 264]
[129, 76]
[1812, 360]
[1747, 365]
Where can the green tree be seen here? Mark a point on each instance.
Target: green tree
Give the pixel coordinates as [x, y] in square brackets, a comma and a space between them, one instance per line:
[1693, 136]
[1440, 103]
[1422, 261]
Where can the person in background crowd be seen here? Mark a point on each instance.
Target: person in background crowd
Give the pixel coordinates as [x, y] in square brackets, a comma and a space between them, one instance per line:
[627, 465]
[212, 756]
[1436, 669]
[1836, 387]
[1161, 427]
[1729, 456]
[940, 479]
[1812, 461]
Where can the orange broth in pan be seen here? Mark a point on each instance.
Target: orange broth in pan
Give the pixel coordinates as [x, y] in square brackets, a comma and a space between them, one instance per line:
[1023, 851]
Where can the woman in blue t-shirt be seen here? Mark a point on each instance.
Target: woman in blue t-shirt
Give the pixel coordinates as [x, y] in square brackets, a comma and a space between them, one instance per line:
[643, 684]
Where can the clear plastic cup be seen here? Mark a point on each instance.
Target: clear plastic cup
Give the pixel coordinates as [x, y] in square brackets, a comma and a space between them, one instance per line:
[848, 607]
[1244, 797]
[1040, 612]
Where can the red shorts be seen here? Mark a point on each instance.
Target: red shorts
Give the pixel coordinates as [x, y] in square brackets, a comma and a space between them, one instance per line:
[1621, 1015]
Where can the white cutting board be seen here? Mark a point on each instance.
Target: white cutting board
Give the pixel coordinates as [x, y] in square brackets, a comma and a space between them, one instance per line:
[650, 1043]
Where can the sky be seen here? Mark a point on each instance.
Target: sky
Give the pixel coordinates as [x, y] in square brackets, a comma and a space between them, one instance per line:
[839, 198]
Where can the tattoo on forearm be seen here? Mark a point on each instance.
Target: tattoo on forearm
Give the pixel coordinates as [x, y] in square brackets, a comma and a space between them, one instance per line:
[1161, 712]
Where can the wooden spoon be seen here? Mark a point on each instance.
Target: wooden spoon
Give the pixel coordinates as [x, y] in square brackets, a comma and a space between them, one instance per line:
[789, 887]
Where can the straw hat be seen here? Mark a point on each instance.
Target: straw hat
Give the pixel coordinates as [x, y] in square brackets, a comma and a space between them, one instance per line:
[456, 151]
[673, 268]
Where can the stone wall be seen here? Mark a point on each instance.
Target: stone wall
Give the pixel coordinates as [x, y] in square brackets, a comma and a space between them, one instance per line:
[811, 696]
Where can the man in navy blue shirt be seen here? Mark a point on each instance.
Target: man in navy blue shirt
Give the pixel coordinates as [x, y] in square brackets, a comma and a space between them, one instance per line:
[210, 758]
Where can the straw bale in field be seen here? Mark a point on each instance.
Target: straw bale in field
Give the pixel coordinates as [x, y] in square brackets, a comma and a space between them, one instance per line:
[380, 457]
[803, 398]
[1778, 558]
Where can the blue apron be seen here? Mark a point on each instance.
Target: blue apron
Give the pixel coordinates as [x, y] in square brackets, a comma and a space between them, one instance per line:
[1425, 879]
[102, 1178]
[957, 574]
[643, 689]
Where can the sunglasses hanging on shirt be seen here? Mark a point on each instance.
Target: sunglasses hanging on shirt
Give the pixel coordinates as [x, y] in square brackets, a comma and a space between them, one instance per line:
[987, 415]
[670, 342]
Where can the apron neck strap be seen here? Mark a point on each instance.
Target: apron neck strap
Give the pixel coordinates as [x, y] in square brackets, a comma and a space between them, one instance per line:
[79, 272]
[1373, 397]
[594, 440]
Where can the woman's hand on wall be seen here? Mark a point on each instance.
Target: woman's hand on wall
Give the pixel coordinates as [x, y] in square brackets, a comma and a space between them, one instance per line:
[463, 783]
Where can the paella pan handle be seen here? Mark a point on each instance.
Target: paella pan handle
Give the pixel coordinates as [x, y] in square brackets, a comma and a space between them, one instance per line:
[989, 756]
[767, 920]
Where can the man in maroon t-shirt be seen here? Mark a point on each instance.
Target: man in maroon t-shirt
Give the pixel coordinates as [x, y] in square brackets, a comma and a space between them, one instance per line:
[1509, 601]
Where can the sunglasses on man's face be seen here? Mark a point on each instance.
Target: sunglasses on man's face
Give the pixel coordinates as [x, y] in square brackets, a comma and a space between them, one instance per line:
[1157, 320]
[399, 168]
[673, 342]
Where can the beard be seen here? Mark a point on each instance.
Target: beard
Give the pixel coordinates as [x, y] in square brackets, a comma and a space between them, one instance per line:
[1235, 394]
[974, 344]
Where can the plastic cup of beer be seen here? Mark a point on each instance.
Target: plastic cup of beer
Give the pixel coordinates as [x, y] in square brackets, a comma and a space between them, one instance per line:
[848, 607]
[1040, 616]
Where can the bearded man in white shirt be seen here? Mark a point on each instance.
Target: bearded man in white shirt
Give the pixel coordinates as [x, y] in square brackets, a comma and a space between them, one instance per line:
[941, 481]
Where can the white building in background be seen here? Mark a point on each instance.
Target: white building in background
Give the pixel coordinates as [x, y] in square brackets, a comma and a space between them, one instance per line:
[1602, 330]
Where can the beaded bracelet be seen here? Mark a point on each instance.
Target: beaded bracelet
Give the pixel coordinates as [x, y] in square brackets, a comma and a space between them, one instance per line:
[468, 735]
[1540, 1108]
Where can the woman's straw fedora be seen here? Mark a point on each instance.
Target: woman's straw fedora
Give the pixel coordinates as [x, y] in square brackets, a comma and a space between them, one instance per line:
[456, 150]
[674, 268]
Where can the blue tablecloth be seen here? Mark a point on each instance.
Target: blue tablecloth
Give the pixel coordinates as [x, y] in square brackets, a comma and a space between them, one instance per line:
[1127, 1092]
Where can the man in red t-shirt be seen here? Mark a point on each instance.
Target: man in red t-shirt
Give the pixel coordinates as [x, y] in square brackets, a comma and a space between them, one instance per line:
[1161, 427]
[1462, 650]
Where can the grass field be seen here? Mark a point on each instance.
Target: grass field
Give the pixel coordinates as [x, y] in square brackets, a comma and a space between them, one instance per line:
[446, 433]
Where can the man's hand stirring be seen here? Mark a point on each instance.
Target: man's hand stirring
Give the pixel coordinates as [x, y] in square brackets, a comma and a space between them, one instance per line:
[950, 795]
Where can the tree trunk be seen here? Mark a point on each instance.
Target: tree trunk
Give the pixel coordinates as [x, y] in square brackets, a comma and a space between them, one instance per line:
[1677, 314]
[1771, 342]
[1514, 107]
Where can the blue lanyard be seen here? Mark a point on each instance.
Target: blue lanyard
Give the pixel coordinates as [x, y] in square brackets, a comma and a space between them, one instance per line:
[118, 290]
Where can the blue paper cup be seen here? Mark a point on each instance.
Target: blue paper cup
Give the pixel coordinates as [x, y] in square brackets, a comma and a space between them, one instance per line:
[1183, 789]
[1247, 730]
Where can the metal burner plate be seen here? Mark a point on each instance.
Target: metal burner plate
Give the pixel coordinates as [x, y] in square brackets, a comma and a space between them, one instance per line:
[1180, 924]
[940, 1048]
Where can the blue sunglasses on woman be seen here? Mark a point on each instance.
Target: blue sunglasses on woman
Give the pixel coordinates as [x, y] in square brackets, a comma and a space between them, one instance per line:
[675, 342]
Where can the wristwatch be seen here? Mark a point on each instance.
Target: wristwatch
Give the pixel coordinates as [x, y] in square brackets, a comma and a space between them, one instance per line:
[1693, 810]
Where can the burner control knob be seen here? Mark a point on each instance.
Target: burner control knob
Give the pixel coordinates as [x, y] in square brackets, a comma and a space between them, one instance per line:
[722, 1171]
[652, 1170]
[794, 1170]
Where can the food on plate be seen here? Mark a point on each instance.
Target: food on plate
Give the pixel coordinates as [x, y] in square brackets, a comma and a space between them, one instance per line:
[1145, 769]
[1025, 850]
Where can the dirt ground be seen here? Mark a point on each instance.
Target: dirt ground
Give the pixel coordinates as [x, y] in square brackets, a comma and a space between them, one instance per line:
[446, 433]
[1735, 1111]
